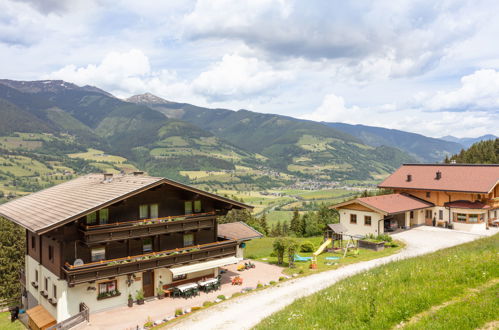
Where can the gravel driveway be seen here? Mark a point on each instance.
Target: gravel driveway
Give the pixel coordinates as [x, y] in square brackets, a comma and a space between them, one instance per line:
[247, 311]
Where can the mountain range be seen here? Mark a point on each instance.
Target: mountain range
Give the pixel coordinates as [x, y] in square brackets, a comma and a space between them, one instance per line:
[467, 141]
[168, 138]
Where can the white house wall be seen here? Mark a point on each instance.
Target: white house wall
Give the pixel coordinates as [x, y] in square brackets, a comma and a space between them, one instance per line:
[360, 228]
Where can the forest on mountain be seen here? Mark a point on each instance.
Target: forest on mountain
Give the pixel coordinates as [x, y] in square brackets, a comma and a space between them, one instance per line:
[484, 152]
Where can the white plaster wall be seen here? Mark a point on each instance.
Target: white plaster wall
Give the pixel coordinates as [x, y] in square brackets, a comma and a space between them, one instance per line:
[58, 312]
[80, 293]
[360, 228]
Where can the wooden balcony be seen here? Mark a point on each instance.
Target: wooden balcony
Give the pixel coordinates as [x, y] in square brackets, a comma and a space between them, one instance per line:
[142, 228]
[169, 258]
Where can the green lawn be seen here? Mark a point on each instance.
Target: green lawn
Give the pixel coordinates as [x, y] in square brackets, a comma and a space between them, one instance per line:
[392, 294]
[5, 323]
[261, 250]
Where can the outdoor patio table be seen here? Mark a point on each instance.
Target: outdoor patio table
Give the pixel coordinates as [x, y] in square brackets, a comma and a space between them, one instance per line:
[208, 282]
[185, 287]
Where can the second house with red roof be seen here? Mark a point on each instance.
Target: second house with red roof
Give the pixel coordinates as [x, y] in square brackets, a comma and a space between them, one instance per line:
[459, 196]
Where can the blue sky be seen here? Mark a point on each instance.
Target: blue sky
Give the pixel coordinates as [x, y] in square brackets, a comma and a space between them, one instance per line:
[430, 67]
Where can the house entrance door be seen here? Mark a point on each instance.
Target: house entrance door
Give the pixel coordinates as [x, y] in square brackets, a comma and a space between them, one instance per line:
[148, 283]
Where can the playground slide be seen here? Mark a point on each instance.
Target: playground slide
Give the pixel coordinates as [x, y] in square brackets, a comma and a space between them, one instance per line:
[322, 247]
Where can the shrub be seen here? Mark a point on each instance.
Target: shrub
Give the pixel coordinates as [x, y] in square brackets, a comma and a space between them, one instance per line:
[195, 308]
[148, 324]
[307, 246]
[221, 297]
[301, 271]
[272, 254]
[272, 282]
[207, 303]
[385, 237]
[259, 285]
[179, 312]
[282, 278]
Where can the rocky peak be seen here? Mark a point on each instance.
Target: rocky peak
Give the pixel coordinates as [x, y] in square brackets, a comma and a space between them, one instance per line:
[147, 98]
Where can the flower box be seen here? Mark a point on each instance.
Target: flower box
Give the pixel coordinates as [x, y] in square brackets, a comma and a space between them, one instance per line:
[375, 246]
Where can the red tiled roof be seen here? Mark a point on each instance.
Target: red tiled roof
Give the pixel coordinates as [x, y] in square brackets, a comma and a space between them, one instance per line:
[466, 178]
[389, 204]
[467, 205]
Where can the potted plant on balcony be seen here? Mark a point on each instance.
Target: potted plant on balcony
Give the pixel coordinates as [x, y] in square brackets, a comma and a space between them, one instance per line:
[130, 300]
[139, 296]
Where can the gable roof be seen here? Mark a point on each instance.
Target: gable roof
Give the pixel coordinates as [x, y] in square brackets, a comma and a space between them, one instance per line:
[52, 207]
[238, 231]
[454, 177]
[388, 204]
[337, 228]
[467, 205]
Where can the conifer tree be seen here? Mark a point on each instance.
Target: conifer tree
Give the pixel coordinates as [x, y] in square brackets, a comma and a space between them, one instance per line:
[295, 225]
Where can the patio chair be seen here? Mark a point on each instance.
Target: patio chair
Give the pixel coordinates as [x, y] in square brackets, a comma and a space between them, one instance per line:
[300, 258]
[176, 293]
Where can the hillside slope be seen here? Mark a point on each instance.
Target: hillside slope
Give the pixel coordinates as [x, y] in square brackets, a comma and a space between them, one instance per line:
[303, 148]
[423, 148]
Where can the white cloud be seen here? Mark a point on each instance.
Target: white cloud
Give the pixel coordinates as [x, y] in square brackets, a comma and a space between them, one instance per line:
[238, 77]
[478, 91]
[436, 124]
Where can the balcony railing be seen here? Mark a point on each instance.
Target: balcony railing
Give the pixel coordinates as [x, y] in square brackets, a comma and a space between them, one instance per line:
[128, 265]
[22, 278]
[133, 229]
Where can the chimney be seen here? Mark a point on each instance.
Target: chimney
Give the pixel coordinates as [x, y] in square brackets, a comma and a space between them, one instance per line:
[108, 177]
[438, 175]
[409, 178]
[138, 173]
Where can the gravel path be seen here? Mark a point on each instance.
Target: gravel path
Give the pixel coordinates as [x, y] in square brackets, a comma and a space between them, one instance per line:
[247, 311]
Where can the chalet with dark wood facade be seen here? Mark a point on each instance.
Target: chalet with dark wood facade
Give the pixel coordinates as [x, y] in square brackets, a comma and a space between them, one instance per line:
[99, 238]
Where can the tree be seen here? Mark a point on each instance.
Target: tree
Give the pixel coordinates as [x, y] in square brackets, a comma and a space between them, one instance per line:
[278, 228]
[285, 229]
[11, 259]
[291, 247]
[263, 224]
[279, 246]
[295, 225]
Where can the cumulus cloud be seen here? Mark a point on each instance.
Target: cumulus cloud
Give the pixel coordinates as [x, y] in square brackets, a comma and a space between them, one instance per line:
[478, 91]
[125, 73]
[466, 123]
[238, 77]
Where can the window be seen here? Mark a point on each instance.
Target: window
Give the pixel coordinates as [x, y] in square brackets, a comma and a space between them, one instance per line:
[179, 277]
[353, 218]
[411, 214]
[98, 253]
[103, 216]
[46, 284]
[440, 214]
[495, 214]
[92, 218]
[148, 211]
[197, 206]
[461, 217]
[51, 253]
[33, 242]
[36, 276]
[154, 211]
[108, 287]
[147, 245]
[367, 220]
[188, 207]
[473, 218]
[188, 239]
[143, 211]
[54, 289]
[428, 194]
[428, 214]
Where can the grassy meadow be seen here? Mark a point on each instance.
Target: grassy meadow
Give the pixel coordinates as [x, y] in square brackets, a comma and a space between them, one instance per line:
[455, 288]
[261, 250]
[5, 323]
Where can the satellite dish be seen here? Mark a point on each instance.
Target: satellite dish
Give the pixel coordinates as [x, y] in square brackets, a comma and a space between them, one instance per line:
[78, 262]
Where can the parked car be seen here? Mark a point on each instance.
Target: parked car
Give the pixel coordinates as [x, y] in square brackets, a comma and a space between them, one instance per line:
[391, 224]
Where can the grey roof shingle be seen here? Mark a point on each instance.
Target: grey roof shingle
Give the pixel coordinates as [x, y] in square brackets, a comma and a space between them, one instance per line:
[44, 210]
